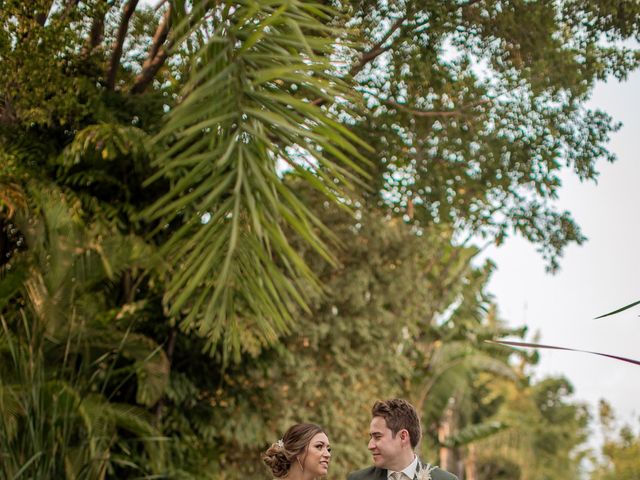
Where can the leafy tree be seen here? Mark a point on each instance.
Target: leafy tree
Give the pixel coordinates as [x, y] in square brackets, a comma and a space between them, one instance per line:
[620, 450]
[452, 379]
[472, 132]
[545, 434]
[473, 110]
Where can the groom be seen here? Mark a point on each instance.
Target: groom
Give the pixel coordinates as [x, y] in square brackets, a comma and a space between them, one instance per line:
[394, 435]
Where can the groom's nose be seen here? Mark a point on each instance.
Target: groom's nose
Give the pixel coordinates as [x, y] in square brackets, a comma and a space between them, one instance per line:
[371, 444]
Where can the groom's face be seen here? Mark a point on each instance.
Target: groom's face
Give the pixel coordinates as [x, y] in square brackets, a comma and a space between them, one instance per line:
[383, 445]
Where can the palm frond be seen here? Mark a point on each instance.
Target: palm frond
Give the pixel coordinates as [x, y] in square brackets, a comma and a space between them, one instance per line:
[449, 372]
[105, 143]
[247, 110]
[473, 433]
[150, 363]
[553, 347]
[618, 310]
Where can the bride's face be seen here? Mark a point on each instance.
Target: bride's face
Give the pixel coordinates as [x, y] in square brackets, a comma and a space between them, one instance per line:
[318, 455]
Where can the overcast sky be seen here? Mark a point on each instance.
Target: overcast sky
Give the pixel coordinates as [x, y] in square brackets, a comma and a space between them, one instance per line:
[595, 278]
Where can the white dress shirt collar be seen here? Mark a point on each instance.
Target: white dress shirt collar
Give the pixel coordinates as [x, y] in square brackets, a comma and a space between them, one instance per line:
[409, 470]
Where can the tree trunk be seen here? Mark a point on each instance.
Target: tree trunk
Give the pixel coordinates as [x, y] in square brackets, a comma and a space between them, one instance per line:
[445, 430]
[116, 53]
[171, 345]
[471, 463]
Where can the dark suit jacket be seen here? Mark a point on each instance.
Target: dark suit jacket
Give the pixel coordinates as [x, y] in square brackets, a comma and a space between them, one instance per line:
[375, 473]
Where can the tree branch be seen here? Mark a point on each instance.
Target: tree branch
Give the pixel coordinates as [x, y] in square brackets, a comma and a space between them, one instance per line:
[97, 32]
[430, 113]
[7, 112]
[470, 3]
[161, 35]
[41, 17]
[369, 55]
[157, 55]
[129, 8]
[95, 36]
[425, 113]
[171, 346]
[446, 113]
[377, 49]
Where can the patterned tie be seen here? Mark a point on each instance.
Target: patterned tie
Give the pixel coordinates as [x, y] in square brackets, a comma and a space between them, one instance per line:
[396, 476]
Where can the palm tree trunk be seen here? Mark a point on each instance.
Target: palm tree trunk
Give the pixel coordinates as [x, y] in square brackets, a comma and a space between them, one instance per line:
[471, 463]
[445, 430]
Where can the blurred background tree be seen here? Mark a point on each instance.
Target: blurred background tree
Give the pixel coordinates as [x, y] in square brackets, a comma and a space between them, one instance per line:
[620, 450]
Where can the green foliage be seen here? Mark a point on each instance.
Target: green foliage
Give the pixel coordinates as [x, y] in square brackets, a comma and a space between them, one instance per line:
[344, 351]
[54, 429]
[369, 337]
[246, 108]
[473, 112]
[105, 166]
[471, 116]
[620, 450]
[545, 433]
[42, 80]
[474, 433]
[184, 185]
[60, 369]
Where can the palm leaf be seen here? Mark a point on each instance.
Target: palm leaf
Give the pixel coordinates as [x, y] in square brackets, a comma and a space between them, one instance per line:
[103, 143]
[552, 347]
[473, 433]
[150, 363]
[230, 263]
[619, 310]
[449, 372]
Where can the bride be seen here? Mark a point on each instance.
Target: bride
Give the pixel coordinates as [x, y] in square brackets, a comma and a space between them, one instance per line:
[303, 453]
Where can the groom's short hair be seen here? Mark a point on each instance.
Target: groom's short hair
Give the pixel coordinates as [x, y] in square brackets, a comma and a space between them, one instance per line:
[399, 414]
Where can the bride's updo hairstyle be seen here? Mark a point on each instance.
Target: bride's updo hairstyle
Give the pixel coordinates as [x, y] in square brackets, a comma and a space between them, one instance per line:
[280, 456]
